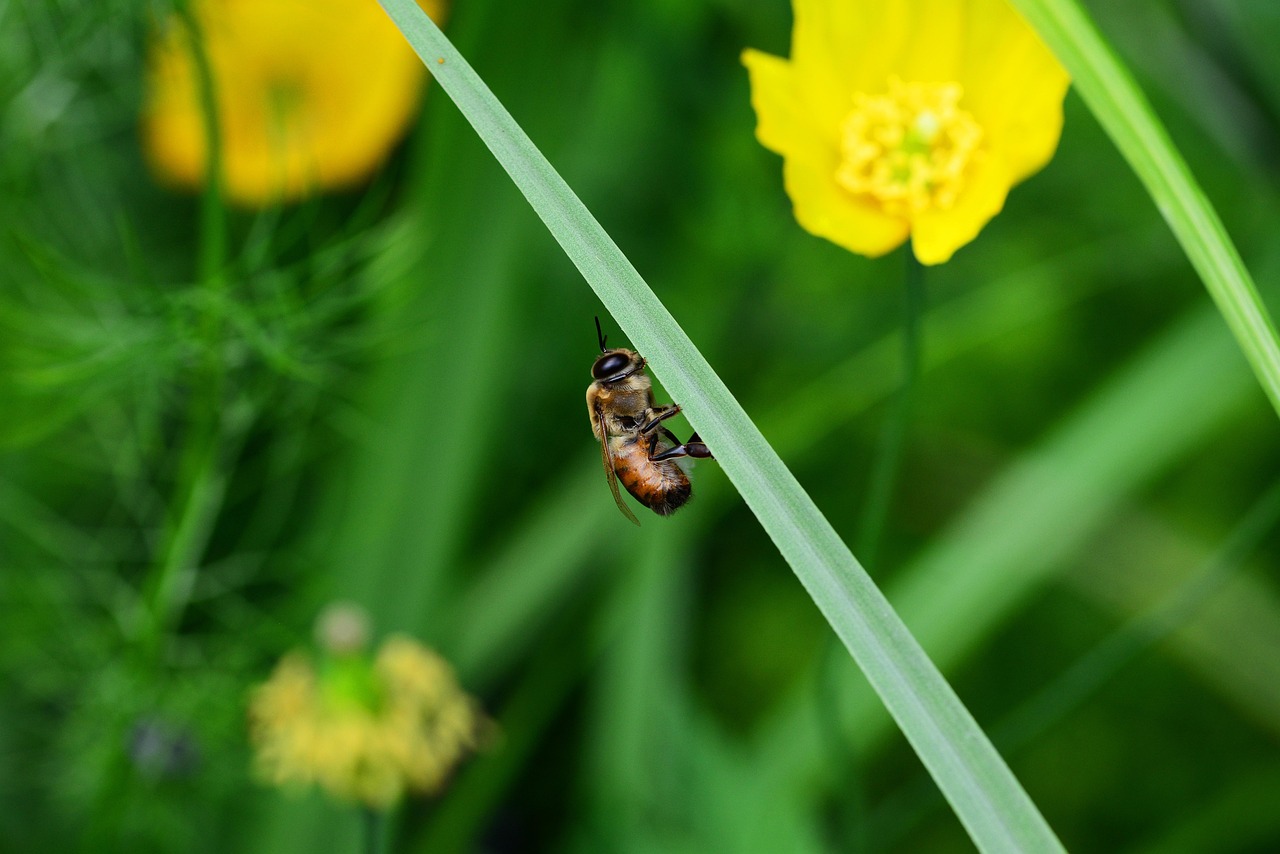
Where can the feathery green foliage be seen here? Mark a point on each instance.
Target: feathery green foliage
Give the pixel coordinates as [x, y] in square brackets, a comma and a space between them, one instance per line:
[241, 414]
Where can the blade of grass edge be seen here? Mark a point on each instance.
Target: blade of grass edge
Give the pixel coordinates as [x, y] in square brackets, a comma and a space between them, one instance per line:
[1117, 102]
[982, 790]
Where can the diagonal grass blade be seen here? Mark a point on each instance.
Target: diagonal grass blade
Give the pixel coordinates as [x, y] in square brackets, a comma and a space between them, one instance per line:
[984, 793]
[1120, 107]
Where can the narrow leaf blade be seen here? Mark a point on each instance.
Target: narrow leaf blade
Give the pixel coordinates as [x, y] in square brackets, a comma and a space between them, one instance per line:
[984, 793]
[1113, 96]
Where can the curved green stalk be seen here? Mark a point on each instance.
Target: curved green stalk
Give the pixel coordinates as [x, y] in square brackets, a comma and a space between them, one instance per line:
[1120, 107]
[984, 793]
[201, 478]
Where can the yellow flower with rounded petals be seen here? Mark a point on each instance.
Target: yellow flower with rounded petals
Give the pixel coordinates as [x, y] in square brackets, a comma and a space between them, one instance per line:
[906, 118]
[310, 95]
[365, 730]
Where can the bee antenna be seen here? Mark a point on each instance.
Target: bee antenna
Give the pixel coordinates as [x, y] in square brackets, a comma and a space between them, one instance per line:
[600, 334]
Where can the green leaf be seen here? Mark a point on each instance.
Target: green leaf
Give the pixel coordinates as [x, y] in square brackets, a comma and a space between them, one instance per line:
[1109, 90]
[984, 793]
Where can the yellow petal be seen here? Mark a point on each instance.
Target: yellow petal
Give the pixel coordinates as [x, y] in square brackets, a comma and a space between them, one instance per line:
[810, 149]
[1014, 86]
[783, 121]
[932, 52]
[937, 234]
[848, 47]
[311, 94]
[825, 210]
[842, 48]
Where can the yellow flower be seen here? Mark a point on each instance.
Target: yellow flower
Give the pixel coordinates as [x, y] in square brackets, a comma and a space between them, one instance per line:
[310, 94]
[366, 731]
[906, 118]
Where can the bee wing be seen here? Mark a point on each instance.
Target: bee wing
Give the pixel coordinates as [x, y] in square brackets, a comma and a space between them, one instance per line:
[608, 467]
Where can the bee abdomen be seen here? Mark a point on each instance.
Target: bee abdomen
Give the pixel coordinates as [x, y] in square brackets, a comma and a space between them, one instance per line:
[662, 487]
[672, 499]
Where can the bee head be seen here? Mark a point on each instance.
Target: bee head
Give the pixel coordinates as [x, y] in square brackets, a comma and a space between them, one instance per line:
[614, 365]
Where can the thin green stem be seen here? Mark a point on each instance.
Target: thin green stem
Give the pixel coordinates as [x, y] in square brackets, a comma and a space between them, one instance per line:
[846, 828]
[213, 213]
[200, 481]
[888, 461]
[372, 822]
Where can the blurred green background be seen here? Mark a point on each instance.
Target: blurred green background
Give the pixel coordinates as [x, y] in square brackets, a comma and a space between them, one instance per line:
[1083, 534]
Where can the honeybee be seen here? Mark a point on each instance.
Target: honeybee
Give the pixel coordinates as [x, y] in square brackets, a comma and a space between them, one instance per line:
[632, 437]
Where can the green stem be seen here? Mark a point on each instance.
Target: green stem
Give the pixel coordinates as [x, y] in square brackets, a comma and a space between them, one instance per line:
[200, 481]
[213, 219]
[846, 827]
[888, 461]
[199, 493]
[372, 821]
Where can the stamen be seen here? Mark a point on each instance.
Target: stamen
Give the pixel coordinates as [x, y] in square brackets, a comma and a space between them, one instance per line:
[910, 149]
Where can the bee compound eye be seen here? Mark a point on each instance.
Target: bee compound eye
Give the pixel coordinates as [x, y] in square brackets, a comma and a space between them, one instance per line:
[610, 364]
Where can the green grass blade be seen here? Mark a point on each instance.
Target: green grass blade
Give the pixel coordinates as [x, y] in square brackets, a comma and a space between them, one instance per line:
[542, 559]
[985, 795]
[1120, 107]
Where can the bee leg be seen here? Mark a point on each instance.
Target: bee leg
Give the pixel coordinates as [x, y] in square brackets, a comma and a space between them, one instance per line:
[657, 415]
[697, 449]
[653, 438]
[692, 448]
[670, 435]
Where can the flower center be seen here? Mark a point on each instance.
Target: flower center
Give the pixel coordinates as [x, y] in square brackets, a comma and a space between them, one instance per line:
[349, 684]
[909, 149]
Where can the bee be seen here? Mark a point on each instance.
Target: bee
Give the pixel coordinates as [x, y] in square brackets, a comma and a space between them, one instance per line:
[635, 447]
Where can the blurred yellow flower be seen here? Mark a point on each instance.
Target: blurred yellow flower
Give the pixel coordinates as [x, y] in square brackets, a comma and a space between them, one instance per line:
[906, 118]
[366, 731]
[310, 95]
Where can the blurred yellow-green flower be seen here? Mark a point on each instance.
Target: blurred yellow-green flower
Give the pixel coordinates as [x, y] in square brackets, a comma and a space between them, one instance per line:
[365, 730]
[906, 118]
[310, 95]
